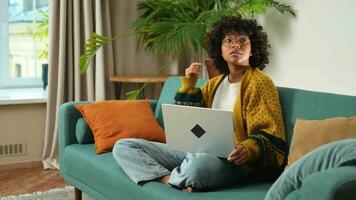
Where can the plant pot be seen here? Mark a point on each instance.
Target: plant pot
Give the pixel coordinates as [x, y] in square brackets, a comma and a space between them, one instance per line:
[44, 75]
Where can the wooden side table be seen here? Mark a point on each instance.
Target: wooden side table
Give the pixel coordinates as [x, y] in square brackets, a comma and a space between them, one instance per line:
[140, 79]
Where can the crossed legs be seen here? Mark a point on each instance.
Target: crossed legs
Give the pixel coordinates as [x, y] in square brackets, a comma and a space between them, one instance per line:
[143, 161]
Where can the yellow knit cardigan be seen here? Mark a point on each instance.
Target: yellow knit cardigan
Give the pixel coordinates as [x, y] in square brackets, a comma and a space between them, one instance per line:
[257, 115]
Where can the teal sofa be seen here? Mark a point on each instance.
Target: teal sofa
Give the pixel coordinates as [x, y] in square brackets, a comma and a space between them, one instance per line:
[101, 177]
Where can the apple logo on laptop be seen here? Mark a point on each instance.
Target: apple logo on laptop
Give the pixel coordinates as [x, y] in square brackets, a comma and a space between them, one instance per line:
[198, 131]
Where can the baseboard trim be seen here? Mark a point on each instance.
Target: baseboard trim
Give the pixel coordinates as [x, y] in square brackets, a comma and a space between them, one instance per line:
[23, 165]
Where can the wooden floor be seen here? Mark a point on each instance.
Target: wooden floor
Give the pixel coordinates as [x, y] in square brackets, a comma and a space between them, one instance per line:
[29, 180]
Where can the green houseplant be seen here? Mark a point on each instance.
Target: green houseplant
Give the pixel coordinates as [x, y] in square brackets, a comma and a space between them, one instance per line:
[174, 27]
[40, 34]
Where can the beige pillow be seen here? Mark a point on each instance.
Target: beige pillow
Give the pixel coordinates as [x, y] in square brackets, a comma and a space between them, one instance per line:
[310, 134]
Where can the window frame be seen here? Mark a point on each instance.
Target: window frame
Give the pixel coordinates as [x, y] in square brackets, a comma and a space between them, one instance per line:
[6, 81]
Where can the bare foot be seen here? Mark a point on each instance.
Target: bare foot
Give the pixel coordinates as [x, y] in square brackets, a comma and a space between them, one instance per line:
[164, 179]
[190, 189]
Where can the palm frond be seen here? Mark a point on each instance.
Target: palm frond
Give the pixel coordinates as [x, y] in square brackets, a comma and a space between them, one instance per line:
[255, 6]
[92, 45]
[282, 8]
[172, 37]
[174, 26]
[41, 28]
[43, 53]
[40, 33]
[170, 26]
[133, 94]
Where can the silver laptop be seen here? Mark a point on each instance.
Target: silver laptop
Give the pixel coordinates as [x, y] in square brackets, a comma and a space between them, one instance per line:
[195, 129]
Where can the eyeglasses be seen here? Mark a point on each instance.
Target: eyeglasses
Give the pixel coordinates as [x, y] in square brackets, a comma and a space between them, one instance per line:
[240, 40]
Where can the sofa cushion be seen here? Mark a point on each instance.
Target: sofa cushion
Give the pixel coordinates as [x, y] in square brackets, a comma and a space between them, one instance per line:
[86, 168]
[83, 132]
[310, 134]
[113, 120]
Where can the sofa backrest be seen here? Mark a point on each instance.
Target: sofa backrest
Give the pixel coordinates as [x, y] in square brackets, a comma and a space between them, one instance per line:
[310, 105]
[295, 103]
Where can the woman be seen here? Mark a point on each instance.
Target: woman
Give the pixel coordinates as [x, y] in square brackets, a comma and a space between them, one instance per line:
[239, 48]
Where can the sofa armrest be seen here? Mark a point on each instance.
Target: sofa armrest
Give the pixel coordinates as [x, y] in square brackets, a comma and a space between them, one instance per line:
[68, 116]
[67, 120]
[335, 183]
[153, 104]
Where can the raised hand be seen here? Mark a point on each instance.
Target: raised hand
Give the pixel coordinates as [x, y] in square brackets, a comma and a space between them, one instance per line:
[193, 71]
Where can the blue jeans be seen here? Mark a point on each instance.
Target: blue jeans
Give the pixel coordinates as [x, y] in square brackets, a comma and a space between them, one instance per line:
[143, 161]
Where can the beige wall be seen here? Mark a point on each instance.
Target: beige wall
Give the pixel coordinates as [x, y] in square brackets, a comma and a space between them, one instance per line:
[316, 50]
[23, 123]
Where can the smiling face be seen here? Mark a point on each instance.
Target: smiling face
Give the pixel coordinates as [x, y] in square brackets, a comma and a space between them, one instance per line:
[236, 49]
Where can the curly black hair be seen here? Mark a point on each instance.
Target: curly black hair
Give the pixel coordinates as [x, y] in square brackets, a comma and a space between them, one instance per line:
[229, 24]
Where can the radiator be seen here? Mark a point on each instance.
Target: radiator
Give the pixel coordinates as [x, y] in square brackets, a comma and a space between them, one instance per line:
[13, 149]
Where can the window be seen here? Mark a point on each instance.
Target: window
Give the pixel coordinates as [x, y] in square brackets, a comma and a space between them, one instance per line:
[20, 64]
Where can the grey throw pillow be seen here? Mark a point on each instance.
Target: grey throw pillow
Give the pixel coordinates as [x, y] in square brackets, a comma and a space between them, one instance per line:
[332, 155]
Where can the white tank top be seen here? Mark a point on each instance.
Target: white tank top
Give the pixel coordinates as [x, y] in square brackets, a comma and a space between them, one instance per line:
[225, 95]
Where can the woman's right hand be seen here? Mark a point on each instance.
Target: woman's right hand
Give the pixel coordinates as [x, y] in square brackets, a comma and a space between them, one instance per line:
[193, 71]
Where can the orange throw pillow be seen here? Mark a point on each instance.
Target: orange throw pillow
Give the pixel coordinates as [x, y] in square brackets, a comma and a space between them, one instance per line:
[113, 120]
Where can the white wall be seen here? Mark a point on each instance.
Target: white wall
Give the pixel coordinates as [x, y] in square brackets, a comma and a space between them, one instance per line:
[316, 50]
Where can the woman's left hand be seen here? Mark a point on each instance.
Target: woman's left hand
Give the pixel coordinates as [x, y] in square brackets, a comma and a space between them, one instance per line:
[239, 155]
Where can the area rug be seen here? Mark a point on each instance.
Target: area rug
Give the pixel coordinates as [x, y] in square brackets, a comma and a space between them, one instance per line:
[66, 193]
